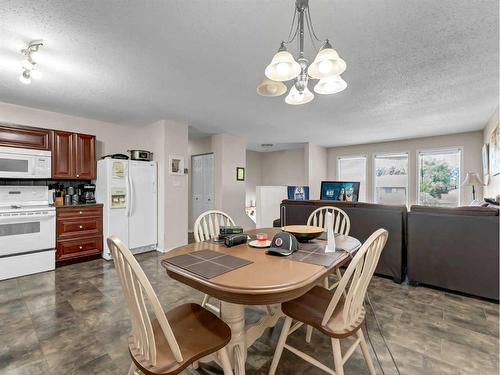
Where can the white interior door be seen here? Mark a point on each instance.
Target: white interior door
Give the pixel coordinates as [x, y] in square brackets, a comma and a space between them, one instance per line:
[143, 204]
[202, 184]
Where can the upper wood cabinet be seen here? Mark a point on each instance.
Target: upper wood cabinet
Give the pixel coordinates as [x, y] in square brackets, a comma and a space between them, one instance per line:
[24, 137]
[63, 155]
[73, 156]
[85, 163]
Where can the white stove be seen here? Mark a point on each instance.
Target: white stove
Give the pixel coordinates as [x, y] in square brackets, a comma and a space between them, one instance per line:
[27, 231]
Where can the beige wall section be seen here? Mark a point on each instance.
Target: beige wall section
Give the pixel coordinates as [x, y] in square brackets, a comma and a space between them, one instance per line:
[229, 153]
[471, 158]
[285, 167]
[316, 161]
[176, 186]
[493, 188]
[253, 175]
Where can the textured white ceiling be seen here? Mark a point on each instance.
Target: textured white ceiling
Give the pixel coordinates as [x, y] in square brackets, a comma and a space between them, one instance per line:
[414, 67]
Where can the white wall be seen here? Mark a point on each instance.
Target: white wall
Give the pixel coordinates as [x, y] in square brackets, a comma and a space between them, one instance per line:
[285, 167]
[316, 168]
[493, 188]
[471, 143]
[253, 175]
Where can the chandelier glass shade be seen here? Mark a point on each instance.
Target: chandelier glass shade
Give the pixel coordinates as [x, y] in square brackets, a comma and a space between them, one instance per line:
[283, 67]
[296, 97]
[326, 64]
[326, 67]
[269, 87]
[330, 85]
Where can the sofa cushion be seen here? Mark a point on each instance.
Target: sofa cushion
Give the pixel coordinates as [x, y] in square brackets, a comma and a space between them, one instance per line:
[464, 210]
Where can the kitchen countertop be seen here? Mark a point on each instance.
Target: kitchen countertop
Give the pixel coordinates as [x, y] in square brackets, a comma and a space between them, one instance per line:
[80, 205]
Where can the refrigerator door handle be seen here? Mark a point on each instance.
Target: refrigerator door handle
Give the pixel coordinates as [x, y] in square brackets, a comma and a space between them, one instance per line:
[127, 212]
[131, 196]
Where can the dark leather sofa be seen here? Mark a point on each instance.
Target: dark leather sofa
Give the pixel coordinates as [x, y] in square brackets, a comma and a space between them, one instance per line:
[455, 248]
[365, 219]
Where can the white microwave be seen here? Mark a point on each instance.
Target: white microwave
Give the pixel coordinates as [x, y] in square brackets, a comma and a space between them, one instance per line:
[24, 163]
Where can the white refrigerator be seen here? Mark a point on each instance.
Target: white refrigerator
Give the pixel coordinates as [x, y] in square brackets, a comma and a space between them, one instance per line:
[128, 191]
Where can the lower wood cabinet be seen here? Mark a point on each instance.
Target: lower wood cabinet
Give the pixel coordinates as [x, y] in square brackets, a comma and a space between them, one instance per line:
[78, 232]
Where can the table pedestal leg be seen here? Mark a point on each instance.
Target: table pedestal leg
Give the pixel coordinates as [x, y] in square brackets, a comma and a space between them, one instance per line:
[234, 316]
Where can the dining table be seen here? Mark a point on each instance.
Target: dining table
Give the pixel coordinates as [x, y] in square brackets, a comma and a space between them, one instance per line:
[266, 281]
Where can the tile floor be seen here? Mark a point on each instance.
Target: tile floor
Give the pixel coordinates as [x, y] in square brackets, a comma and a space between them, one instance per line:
[74, 321]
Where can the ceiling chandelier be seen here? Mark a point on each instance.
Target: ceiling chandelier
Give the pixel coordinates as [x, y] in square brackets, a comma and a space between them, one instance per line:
[326, 67]
[29, 68]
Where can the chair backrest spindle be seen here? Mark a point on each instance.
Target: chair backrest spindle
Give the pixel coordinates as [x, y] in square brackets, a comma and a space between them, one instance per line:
[138, 292]
[354, 283]
[207, 225]
[341, 222]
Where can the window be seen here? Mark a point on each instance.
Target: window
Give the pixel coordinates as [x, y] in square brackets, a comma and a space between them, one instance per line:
[391, 178]
[353, 168]
[439, 177]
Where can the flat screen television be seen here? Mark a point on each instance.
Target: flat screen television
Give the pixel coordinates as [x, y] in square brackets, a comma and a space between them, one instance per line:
[300, 193]
[347, 191]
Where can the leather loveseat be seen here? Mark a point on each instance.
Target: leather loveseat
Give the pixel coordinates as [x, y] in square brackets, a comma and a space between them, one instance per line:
[455, 248]
[365, 219]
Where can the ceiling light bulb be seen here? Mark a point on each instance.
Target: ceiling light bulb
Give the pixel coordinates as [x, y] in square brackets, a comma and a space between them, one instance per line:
[27, 64]
[283, 66]
[282, 69]
[330, 85]
[296, 97]
[326, 64]
[271, 88]
[25, 77]
[36, 74]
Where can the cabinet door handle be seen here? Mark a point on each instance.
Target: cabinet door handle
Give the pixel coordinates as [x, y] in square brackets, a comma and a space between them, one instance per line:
[77, 175]
[81, 226]
[81, 247]
[81, 212]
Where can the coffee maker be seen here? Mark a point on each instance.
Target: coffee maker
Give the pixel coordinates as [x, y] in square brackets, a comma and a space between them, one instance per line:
[86, 193]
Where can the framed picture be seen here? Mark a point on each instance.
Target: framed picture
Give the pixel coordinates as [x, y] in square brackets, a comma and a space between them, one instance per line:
[176, 165]
[340, 190]
[240, 174]
[300, 193]
[486, 160]
[495, 151]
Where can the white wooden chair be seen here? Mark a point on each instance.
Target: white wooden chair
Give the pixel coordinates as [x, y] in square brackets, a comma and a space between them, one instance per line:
[165, 344]
[337, 314]
[341, 225]
[206, 227]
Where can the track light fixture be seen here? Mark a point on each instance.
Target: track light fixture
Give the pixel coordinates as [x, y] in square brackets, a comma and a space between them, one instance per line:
[29, 63]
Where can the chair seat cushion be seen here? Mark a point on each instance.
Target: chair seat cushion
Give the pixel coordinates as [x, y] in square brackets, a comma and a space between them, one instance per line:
[198, 333]
[310, 309]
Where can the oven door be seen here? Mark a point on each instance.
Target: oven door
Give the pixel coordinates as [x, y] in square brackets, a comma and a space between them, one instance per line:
[27, 232]
[20, 165]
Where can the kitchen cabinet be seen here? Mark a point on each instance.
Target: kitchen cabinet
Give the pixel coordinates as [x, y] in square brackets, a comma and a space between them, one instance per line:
[24, 137]
[63, 153]
[78, 232]
[85, 163]
[73, 156]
